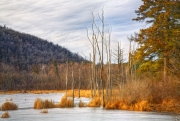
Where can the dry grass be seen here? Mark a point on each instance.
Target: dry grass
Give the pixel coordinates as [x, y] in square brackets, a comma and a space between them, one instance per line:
[141, 106]
[49, 104]
[5, 115]
[9, 92]
[45, 91]
[117, 104]
[38, 92]
[82, 104]
[83, 93]
[33, 91]
[168, 105]
[140, 95]
[95, 102]
[124, 105]
[40, 104]
[9, 106]
[23, 91]
[65, 103]
[146, 95]
[44, 111]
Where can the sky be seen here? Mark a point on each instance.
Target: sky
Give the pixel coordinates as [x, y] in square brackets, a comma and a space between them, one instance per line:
[64, 22]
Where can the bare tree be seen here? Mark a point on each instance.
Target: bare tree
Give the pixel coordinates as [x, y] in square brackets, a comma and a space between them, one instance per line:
[108, 57]
[104, 81]
[79, 87]
[93, 66]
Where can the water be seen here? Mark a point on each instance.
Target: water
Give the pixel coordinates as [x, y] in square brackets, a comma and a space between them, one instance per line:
[27, 113]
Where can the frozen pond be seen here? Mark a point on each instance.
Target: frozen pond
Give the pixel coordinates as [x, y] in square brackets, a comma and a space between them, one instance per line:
[27, 113]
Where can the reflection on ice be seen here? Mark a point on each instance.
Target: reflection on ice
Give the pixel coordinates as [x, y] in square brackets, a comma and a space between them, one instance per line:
[27, 113]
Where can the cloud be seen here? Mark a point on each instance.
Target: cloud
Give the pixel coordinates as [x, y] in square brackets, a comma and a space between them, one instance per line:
[64, 22]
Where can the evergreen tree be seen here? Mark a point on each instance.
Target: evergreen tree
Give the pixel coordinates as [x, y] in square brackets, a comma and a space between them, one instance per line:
[160, 41]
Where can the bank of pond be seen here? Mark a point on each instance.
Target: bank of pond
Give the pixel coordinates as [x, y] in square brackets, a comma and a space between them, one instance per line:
[45, 102]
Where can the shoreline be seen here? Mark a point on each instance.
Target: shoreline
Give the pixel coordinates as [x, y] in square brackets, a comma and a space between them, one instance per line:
[167, 106]
[32, 91]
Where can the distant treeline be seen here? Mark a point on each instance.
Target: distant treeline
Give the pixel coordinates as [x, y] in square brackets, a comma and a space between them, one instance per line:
[41, 77]
[24, 50]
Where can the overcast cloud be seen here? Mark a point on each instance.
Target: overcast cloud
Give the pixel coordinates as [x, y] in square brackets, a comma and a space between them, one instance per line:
[64, 22]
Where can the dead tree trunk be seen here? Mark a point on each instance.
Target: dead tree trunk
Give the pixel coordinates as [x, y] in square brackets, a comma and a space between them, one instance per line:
[109, 64]
[79, 87]
[66, 76]
[73, 83]
[90, 77]
[102, 56]
[93, 65]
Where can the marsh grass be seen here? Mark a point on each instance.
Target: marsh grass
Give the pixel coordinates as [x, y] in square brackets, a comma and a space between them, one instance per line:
[5, 115]
[124, 105]
[146, 95]
[83, 93]
[32, 91]
[38, 92]
[65, 103]
[95, 102]
[40, 104]
[49, 104]
[142, 105]
[82, 104]
[169, 105]
[23, 91]
[117, 104]
[45, 91]
[9, 106]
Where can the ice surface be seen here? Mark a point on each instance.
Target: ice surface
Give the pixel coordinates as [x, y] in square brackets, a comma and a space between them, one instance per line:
[27, 113]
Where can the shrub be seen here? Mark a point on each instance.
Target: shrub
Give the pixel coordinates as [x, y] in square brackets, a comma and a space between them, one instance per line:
[5, 115]
[9, 106]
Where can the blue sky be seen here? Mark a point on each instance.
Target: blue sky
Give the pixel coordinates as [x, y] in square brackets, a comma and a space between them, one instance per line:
[64, 22]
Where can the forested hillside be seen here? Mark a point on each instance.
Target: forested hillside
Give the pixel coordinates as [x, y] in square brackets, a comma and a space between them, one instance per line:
[24, 50]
